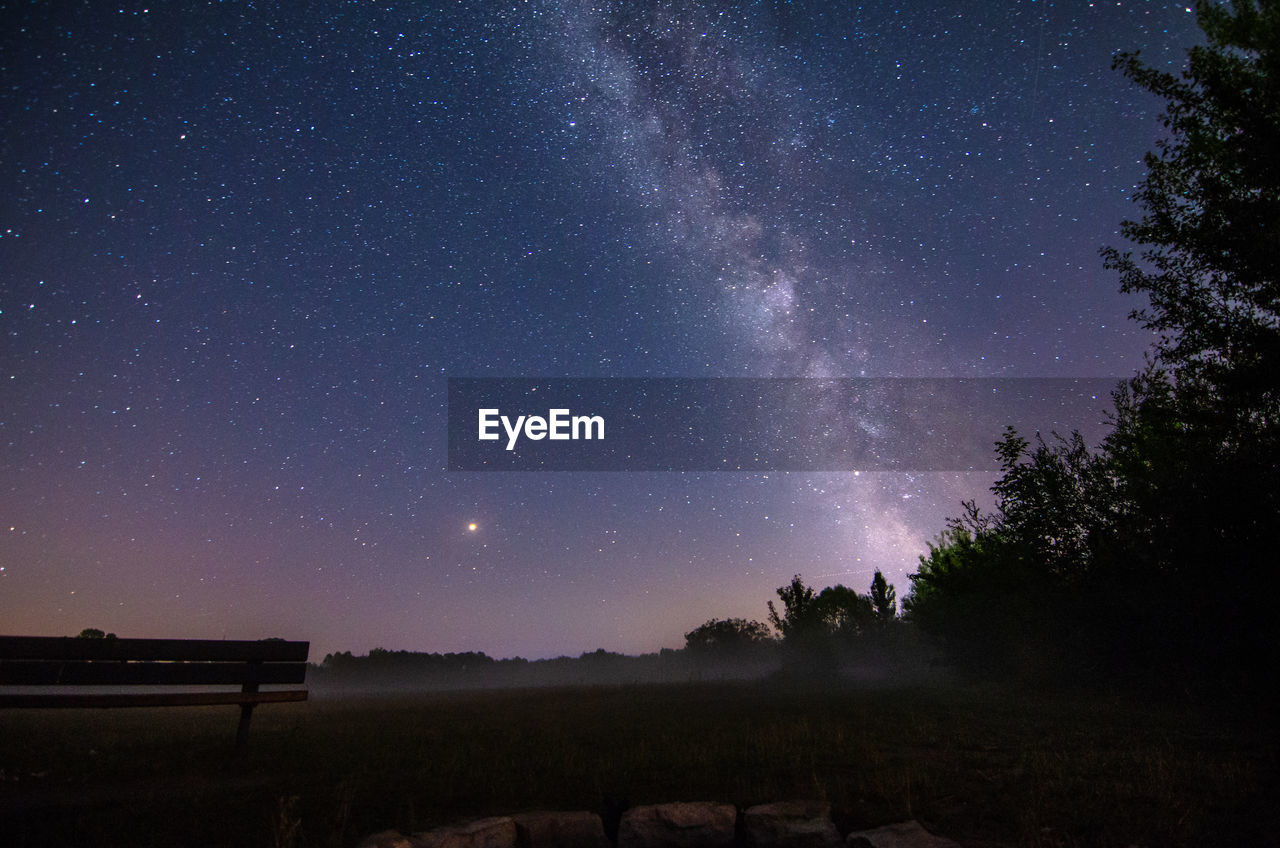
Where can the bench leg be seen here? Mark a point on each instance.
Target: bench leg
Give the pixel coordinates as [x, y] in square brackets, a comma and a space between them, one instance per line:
[246, 713]
[242, 732]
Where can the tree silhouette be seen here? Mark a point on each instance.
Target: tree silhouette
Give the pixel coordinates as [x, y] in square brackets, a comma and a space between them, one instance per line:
[884, 598]
[1196, 449]
[727, 637]
[1096, 560]
[1211, 204]
[800, 616]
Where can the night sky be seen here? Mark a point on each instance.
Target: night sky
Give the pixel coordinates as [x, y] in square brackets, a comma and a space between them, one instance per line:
[243, 246]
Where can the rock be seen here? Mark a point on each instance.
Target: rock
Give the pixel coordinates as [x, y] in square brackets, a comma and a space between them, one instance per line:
[907, 834]
[791, 824]
[386, 839]
[560, 830]
[678, 825]
[499, 832]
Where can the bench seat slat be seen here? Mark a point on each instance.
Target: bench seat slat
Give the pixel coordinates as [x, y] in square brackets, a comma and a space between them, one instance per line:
[200, 650]
[60, 673]
[150, 699]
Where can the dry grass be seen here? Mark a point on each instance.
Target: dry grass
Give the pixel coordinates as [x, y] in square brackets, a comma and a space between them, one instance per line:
[984, 766]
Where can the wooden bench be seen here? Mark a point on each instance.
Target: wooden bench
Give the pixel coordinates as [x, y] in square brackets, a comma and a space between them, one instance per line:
[57, 661]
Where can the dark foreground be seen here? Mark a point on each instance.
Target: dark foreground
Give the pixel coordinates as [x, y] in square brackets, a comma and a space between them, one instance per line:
[984, 767]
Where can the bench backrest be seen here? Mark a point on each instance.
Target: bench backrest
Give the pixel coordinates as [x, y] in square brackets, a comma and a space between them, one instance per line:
[54, 661]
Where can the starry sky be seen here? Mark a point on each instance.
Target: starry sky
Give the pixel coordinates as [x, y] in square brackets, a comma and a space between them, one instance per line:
[243, 246]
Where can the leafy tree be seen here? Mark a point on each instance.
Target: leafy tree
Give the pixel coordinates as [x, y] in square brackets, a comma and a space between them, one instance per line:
[801, 616]
[1211, 203]
[837, 611]
[845, 614]
[808, 651]
[1196, 448]
[1200, 436]
[971, 594]
[1144, 556]
[884, 598]
[94, 633]
[727, 636]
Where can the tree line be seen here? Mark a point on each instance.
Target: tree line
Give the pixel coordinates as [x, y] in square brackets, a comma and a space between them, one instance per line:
[1147, 557]
[812, 635]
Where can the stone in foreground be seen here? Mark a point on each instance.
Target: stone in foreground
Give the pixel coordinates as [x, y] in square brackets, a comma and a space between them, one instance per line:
[791, 824]
[498, 832]
[678, 825]
[560, 830]
[907, 834]
[386, 839]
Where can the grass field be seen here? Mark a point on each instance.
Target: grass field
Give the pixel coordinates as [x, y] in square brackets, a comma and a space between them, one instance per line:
[986, 767]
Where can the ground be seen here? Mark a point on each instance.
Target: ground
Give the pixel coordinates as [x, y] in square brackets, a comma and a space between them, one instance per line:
[982, 765]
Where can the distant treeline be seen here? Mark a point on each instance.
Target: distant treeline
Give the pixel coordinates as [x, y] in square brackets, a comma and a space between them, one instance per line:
[836, 634]
[382, 670]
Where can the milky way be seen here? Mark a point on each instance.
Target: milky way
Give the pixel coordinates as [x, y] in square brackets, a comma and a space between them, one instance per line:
[242, 248]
